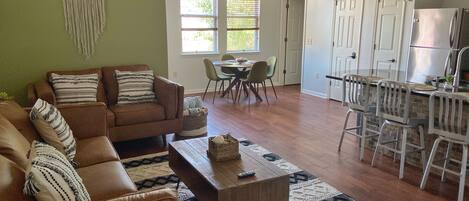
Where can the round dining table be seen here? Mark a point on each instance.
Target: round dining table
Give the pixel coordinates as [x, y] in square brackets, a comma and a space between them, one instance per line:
[243, 69]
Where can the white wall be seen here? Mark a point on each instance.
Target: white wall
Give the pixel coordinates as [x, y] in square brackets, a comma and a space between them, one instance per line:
[317, 46]
[189, 71]
[429, 3]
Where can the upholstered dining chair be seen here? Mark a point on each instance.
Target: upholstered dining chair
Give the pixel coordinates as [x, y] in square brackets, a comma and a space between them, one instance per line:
[257, 75]
[272, 63]
[231, 72]
[212, 75]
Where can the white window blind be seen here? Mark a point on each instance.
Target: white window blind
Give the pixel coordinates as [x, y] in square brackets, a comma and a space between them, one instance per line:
[199, 27]
[243, 25]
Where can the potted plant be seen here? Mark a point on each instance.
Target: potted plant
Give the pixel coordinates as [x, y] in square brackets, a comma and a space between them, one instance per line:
[449, 79]
[4, 96]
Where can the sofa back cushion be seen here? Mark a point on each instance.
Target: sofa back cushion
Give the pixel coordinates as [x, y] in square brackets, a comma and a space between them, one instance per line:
[11, 181]
[13, 145]
[101, 96]
[110, 82]
[17, 116]
[74, 89]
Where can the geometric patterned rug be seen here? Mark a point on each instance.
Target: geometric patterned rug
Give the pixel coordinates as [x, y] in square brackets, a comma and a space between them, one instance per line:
[152, 171]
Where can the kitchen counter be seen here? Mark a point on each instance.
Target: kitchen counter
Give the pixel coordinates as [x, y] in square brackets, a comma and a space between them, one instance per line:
[419, 108]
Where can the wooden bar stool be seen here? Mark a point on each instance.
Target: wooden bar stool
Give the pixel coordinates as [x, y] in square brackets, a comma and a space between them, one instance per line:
[451, 125]
[356, 95]
[393, 105]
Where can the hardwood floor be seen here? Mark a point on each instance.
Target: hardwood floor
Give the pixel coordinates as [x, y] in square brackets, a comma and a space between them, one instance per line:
[305, 131]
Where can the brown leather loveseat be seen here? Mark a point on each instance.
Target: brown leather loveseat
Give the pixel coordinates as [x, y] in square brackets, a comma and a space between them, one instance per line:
[98, 163]
[132, 121]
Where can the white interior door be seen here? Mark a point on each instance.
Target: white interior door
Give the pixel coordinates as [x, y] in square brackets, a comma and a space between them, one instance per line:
[347, 29]
[294, 42]
[388, 38]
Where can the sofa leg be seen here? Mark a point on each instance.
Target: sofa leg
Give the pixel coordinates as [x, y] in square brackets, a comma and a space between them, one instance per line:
[164, 140]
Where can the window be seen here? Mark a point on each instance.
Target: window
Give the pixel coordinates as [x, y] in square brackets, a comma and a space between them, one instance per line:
[242, 25]
[199, 27]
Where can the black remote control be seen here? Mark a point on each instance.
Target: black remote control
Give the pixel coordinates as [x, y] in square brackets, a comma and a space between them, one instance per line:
[246, 174]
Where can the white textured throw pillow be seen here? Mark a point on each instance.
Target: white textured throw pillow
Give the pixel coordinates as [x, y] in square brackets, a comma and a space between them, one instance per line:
[50, 176]
[71, 89]
[135, 86]
[53, 128]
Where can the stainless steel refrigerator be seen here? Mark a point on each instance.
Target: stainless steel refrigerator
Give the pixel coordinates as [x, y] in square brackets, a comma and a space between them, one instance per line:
[437, 37]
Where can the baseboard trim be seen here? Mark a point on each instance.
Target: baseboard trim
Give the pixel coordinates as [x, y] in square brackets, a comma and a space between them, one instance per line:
[314, 93]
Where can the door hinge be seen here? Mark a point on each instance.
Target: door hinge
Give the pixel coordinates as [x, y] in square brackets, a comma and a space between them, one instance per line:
[287, 6]
[374, 46]
[336, 2]
[285, 39]
[333, 44]
[284, 71]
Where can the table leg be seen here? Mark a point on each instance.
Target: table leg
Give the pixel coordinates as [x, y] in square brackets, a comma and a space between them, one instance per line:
[254, 91]
[230, 87]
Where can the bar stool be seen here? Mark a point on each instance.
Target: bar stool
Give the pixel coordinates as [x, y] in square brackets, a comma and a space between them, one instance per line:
[393, 105]
[452, 126]
[356, 95]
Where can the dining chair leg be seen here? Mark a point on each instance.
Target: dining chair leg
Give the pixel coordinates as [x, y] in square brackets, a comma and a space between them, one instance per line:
[265, 92]
[249, 97]
[403, 153]
[445, 163]
[462, 175]
[378, 144]
[222, 87]
[423, 155]
[215, 92]
[240, 91]
[206, 88]
[396, 144]
[423, 183]
[343, 130]
[272, 83]
[363, 137]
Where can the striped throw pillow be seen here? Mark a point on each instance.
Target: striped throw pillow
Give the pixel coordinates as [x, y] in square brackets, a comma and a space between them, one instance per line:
[135, 87]
[71, 89]
[50, 176]
[53, 128]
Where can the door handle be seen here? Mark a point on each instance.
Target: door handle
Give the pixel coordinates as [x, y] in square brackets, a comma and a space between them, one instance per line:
[392, 60]
[354, 55]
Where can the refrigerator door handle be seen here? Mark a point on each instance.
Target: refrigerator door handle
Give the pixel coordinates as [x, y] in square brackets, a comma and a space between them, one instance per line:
[452, 28]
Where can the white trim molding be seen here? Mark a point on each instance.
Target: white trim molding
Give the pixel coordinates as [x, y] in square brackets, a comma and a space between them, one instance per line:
[314, 93]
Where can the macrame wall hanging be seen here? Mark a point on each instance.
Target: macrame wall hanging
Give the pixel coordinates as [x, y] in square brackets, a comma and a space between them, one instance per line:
[85, 21]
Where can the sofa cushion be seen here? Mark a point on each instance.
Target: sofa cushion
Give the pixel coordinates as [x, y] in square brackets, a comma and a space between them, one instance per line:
[13, 145]
[135, 87]
[110, 82]
[164, 194]
[106, 180]
[103, 151]
[101, 96]
[53, 128]
[11, 181]
[138, 113]
[50, 176]
[20, 119]
[75, 89]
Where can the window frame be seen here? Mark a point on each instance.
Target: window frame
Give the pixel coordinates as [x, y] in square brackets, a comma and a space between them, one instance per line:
[215, 29]
[256, 29]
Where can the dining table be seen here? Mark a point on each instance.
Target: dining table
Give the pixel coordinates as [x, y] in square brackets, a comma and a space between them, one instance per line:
[242, 72]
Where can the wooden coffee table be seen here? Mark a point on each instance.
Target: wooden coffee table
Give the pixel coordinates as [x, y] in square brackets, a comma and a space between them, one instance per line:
[218, 181]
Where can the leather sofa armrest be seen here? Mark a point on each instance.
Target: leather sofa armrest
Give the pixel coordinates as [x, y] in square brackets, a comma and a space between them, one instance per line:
[85, 120]
[31, 94]
[171, 96]
[45, 92]
[156, 195]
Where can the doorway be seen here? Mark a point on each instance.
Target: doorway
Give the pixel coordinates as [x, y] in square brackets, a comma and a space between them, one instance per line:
[346, 42]
[293, 38]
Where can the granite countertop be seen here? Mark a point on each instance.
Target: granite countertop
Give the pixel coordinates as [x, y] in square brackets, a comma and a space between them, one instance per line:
[426, 93]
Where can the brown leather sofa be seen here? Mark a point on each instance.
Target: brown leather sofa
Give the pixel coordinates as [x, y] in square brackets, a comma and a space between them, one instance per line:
[127, 122]
[99, 166]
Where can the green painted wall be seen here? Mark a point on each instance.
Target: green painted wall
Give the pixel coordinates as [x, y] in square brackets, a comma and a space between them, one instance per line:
[33, 40]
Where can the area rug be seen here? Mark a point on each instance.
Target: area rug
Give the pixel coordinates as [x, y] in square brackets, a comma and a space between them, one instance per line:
[152, 172]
